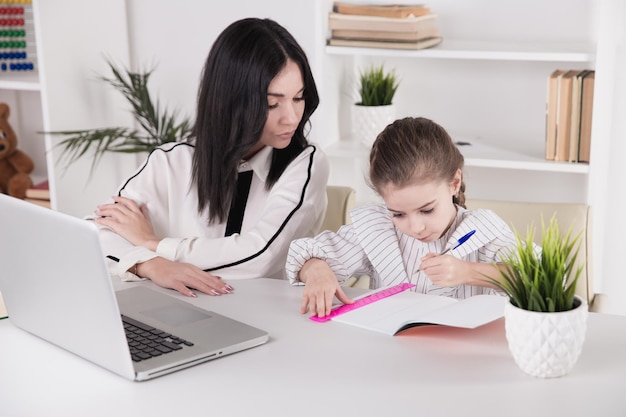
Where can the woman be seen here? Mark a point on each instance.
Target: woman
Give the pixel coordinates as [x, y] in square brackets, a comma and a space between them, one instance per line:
[227, 203]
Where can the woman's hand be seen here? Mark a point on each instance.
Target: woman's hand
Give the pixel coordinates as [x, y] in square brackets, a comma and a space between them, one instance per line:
[182, 277]
[129, 220]
[321, 286]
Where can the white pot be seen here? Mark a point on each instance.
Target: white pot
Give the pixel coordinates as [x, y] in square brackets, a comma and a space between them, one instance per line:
[546, 345]
[369, 121]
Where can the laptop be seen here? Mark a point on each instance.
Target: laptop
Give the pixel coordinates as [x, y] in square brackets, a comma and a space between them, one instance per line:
[55, 284]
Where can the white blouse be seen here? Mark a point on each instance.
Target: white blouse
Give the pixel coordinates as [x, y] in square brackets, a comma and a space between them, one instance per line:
[372, 245]
[293, 208]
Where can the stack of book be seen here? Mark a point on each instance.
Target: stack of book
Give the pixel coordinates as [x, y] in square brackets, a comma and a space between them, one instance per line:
[407, 26]
[568, 115]
[39, 194]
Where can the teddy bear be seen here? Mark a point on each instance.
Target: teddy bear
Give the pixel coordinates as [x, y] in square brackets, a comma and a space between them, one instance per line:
[15, 165]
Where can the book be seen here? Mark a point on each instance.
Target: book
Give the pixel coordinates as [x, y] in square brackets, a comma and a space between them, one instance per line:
[3, 310]
[564, 115]
[338, 21]
[39, 202]
[414, 45]
[586, 114]
[40, 191]
[384, 10]
[404, 310]
[552, 102]
[373, 35]
[574, 133]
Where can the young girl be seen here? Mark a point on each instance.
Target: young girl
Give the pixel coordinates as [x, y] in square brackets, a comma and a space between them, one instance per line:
[226, 204]
[417, 170]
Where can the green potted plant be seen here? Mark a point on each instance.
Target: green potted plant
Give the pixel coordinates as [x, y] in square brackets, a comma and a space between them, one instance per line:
[157, 125]
[545, 320]
[374, 109]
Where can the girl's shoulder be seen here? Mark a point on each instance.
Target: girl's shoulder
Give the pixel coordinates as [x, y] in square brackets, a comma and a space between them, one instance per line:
[484, 217]
[370, 212]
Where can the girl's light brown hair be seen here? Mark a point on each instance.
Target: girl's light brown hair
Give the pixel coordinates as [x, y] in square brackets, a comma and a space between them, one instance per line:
[414, 150]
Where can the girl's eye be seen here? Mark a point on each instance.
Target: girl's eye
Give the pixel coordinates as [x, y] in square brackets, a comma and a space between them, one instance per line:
[397, 215]
[272, 106]
[298, 99]
[429, 211]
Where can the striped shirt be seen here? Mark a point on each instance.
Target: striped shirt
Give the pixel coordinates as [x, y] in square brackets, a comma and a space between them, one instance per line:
[372, 245]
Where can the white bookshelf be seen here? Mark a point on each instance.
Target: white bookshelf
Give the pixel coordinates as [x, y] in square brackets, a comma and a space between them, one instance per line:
[476, 154]
[72, 39]
[486, 83]
[25, 82]
[501, 51]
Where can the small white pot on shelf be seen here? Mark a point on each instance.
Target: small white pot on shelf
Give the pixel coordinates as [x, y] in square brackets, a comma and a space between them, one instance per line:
[369, 121]
[546, 345]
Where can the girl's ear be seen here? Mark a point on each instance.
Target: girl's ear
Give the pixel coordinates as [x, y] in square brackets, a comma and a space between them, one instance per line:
[456, 182]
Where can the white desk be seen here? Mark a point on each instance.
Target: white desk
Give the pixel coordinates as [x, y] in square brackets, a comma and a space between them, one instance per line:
[322, 369]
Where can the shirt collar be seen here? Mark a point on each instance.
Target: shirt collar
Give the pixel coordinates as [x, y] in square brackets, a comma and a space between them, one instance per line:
[260, 163]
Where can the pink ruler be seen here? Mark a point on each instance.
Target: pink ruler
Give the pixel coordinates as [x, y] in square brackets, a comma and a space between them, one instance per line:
[368, 299]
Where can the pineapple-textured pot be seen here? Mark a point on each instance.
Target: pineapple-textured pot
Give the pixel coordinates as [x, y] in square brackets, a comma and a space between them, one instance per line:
[369, 121]
[546, 345]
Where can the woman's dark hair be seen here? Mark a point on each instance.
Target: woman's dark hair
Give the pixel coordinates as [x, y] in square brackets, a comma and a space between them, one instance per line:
[232, 107]
[414, 150]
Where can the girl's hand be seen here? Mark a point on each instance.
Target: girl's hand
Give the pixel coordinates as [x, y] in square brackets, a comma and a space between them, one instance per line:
[321, 286]
[182, 277]
[129, 220]
[445, 270]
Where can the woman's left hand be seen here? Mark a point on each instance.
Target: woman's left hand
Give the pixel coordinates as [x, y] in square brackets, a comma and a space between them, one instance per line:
[129, 220]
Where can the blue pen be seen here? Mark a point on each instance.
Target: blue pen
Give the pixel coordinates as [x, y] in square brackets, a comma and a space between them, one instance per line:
[459, 242]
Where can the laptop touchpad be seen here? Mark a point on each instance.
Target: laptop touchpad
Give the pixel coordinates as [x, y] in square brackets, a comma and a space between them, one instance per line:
[176, 315]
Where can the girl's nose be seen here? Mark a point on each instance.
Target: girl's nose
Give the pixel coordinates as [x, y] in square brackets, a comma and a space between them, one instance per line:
[417, 225]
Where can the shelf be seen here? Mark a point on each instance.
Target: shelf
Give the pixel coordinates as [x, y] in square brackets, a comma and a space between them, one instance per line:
[22, 82]
[478, 154]
[453, 49]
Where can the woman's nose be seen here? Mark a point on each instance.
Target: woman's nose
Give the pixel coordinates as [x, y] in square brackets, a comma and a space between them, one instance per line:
[290, 115]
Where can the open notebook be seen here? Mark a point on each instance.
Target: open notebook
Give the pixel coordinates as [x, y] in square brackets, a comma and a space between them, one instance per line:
[56, 286]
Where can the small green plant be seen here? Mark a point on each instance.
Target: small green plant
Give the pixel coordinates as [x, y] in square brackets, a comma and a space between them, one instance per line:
[377, 86]
[158, 126]
[546, 282]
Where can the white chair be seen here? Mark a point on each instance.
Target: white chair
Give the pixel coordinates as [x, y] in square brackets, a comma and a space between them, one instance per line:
[340, 201]
[577, 216]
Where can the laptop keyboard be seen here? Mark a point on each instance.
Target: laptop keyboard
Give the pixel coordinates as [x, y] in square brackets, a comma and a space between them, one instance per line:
[147, 342]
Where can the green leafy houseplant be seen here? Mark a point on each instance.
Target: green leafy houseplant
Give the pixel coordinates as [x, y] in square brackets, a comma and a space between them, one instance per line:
[377, 86]
[545, 283]
[158, 126]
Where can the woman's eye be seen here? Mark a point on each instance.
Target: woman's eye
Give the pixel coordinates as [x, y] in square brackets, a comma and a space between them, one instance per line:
[397, 215]
[298, 99]
[429, 211]
[272, 106]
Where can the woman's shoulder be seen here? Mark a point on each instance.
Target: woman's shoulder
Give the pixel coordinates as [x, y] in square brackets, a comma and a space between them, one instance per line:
[172, 150]
[314, 158]
[315, 151]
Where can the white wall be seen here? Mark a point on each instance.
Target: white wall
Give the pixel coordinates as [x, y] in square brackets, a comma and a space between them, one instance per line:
[175, 37]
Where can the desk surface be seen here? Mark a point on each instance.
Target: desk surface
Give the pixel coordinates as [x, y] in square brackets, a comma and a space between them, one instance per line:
[321, 369]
